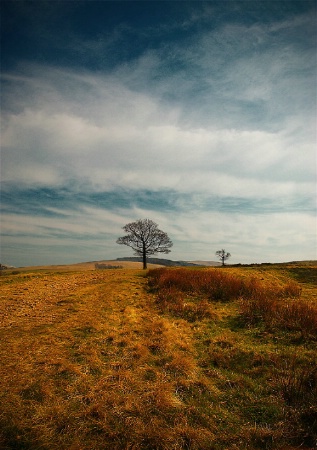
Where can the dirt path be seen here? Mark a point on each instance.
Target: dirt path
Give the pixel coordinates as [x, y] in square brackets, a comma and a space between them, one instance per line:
[88, 349]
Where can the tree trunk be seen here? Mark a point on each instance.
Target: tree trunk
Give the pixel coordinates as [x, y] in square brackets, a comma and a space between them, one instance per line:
[144, 258]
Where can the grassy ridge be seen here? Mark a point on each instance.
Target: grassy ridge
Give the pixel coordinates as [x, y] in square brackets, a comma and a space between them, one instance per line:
[179, 359]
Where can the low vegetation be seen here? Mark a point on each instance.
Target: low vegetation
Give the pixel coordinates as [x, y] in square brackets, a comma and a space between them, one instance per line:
[169, 359]
[107, 266]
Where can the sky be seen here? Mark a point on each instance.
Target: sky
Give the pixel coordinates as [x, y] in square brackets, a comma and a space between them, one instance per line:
[200, 116]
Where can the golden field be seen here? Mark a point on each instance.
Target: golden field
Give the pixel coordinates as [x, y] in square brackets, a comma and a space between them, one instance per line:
[165, 359]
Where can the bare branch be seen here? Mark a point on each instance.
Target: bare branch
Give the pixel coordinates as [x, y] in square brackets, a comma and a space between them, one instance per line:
[145, 239]
[222, 255]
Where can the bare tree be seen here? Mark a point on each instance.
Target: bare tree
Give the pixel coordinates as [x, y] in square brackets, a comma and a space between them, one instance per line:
[223, 256]
[145, 239]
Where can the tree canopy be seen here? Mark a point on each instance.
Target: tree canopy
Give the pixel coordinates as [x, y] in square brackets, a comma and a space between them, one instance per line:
[222, 255]
[145, 238]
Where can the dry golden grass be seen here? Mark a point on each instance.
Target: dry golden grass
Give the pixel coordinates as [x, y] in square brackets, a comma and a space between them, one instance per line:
[92, 359]
[84, 266]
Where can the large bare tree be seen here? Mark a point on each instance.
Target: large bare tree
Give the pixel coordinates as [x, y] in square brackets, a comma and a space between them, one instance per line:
[223, 256]
[145, 239]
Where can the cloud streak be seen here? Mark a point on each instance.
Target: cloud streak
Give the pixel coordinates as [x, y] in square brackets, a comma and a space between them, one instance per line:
[214, 123]
[119, 129]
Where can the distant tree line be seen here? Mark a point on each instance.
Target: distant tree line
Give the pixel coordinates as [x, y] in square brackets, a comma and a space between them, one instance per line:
[106, 266]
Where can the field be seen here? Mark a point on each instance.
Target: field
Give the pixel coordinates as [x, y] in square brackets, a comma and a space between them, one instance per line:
[165, 359]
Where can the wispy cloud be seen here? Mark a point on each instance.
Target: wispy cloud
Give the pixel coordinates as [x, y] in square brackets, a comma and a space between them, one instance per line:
[215, 122]
[100, 125]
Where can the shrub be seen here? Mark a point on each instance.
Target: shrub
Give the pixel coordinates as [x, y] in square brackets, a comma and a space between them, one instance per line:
[216, 284]
[299, 316]
[213, 284]
[287, 314]
[273, 304]
[297, 383]
[173, 301]
[106, 266]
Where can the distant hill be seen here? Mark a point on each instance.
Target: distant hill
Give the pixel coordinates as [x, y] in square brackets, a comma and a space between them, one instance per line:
[206, 263]
[171, 263]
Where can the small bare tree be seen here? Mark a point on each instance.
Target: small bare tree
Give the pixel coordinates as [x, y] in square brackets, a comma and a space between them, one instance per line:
[145, 239]
[223, 256]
